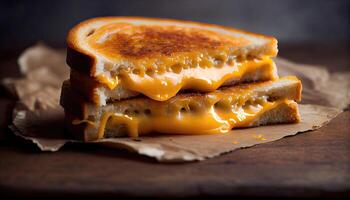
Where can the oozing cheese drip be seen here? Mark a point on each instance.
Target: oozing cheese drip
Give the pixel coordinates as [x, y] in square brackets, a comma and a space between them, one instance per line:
[214, 119]
[163, 84]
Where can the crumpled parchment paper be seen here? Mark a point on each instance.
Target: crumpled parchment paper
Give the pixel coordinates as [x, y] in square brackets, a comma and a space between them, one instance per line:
[39, 118]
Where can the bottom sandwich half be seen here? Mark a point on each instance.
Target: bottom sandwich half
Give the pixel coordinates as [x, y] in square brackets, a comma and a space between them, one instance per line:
[245, 105]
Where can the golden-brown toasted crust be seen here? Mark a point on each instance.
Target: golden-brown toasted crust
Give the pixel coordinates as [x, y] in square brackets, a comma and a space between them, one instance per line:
[81, 61]
[80, 58]
[140, 41]
[73, 102]
[84, 85]
[77, 131]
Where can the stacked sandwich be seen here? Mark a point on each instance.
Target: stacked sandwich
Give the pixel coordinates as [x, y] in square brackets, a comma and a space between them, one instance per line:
[136, 76]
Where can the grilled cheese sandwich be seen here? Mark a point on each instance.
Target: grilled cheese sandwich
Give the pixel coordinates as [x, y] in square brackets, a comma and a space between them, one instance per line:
[159, 58]
[136, 76]
[192, 113]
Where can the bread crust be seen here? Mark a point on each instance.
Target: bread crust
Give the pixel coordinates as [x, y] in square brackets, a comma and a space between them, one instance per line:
[76, 131]
[72, 102]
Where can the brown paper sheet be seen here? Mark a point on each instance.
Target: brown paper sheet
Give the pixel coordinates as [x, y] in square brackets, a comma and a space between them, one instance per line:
[169, 148]
[39, 118]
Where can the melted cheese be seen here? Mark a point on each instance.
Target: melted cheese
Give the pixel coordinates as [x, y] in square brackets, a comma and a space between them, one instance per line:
[213, 119]
[259, 137]
[159, 61]
[164, 83]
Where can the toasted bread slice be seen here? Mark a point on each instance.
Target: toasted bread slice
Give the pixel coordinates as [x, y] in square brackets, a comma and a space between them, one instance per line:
[243, 105]
[123, 50]
[98, 94]
[107, 43]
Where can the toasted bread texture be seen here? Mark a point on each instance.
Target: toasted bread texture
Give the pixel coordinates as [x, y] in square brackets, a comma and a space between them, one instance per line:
[104, 45]
[282, 93]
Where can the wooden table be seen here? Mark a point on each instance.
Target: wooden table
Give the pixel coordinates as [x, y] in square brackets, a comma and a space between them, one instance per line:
[312, 164]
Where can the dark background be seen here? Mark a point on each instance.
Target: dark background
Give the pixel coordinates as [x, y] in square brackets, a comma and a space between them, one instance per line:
[309, 31]
[23, 23]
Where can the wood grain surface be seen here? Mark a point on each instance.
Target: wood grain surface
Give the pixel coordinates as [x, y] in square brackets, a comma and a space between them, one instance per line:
[312, 164]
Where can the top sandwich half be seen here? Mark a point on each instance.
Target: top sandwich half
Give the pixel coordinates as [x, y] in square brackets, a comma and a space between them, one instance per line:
[115, 58]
